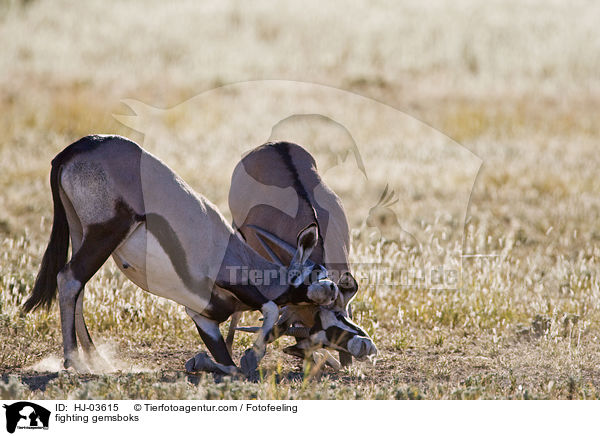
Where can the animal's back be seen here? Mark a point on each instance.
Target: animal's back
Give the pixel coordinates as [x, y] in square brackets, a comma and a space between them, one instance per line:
[277, 187]
[176, 247]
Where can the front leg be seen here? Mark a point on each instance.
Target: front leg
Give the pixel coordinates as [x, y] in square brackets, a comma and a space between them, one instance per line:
[235, 318]
[251, 297]
[281, 326]
[211, 335]
[252, 356]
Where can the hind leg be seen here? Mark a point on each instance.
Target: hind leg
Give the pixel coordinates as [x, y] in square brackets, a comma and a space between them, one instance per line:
[92, 356]
[98, 242]
[68, 290]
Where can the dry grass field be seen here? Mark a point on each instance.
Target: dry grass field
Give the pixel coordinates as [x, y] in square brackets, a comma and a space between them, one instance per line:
[513, 86]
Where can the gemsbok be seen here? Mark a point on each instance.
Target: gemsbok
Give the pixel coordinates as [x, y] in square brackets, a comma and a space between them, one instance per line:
[276, 191]
[111, 197]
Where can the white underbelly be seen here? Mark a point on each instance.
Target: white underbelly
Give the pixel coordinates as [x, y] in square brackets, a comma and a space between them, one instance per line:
[142, 259]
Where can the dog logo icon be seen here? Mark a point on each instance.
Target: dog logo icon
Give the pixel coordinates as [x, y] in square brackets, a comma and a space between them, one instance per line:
[26, 415]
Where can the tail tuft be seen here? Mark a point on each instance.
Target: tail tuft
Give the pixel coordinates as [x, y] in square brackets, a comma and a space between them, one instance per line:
[55, 257]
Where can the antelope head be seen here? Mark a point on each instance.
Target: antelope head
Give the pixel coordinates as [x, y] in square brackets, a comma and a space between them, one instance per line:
[301, 271]
[321, 287]
[329, 324]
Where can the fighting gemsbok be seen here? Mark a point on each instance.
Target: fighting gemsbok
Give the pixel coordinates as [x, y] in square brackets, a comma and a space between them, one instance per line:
[112, 198]
[275, 192]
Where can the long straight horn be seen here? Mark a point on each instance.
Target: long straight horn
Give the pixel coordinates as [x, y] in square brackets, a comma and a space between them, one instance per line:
[270, 252]
[248, 329]
[289, 249]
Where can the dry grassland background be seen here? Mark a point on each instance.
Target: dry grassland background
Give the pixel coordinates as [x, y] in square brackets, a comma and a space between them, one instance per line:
[516, 83]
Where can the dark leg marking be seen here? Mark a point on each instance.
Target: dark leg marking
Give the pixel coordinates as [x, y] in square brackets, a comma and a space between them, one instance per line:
[98, 243]
[210, 334]
[217, 347]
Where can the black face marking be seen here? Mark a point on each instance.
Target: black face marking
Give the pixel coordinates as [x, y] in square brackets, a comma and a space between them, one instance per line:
[338, 336]
[350, 324]
[294, 295]
[347, 284]
[318, 272]
[348, 287]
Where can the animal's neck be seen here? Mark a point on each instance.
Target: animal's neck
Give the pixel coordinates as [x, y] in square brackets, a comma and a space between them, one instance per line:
[243, 266]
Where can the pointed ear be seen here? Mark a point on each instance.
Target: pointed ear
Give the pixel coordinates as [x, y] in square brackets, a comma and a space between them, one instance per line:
[307, 241]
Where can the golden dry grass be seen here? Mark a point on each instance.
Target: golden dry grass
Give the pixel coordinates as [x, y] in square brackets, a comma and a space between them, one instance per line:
[514, 82]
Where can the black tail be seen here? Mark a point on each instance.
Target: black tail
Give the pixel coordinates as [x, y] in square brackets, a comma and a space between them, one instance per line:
[55, 257]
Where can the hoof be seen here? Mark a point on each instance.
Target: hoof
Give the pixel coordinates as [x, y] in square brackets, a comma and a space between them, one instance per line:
[249, 362]
[200, 362]
[76, 364]
[189, 365]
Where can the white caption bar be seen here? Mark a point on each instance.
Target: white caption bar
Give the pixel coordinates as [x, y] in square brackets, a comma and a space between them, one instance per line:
[297, 417]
